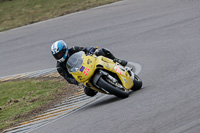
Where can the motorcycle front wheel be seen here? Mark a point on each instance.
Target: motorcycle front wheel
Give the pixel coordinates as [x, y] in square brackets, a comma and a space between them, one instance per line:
[112, 89]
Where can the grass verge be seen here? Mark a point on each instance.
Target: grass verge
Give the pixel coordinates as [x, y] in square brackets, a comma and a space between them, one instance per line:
[15, 13]
[22, 99]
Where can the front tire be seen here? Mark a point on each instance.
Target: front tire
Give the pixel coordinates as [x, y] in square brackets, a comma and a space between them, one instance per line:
[112, 89]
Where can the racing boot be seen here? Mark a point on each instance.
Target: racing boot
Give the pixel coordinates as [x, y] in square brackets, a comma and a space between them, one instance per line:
[90, 92]
[122, 62]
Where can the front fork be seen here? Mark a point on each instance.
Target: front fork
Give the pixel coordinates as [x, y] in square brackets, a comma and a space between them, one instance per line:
[109, 77]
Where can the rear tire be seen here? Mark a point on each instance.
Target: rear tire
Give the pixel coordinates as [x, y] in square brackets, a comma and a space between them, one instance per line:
[112, 89]
[137, 83]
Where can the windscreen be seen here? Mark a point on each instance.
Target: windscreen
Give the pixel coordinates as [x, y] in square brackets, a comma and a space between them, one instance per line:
[75, 62]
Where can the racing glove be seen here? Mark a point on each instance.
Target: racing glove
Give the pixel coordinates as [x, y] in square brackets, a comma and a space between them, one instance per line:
[92, 50]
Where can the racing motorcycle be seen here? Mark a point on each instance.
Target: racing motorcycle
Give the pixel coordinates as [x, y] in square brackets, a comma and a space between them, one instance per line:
[103, 75]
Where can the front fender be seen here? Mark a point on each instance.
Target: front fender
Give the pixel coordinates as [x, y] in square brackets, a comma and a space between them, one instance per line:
[98, 75]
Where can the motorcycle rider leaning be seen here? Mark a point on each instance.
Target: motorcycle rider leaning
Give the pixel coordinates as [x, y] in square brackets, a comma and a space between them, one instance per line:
[61, 53]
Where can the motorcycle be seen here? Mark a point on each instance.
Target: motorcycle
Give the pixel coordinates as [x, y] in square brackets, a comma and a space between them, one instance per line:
[103, 75]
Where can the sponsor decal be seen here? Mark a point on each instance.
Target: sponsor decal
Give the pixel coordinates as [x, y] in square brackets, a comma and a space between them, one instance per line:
[125, 80]
[82, 68]
[85, 72]
[117, 69]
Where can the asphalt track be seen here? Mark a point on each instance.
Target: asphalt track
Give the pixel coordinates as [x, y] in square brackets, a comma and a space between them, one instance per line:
[163, 36]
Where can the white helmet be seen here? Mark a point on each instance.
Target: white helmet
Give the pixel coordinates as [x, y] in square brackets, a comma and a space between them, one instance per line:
[59, 50]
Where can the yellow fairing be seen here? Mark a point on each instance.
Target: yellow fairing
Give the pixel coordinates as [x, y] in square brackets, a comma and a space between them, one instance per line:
[91, 63]
[87, 69]
[121, 72]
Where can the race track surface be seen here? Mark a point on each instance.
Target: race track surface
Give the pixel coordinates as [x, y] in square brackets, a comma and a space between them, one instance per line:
[163, 36]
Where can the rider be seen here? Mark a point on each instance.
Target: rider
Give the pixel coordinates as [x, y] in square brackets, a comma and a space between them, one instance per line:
[61, 53]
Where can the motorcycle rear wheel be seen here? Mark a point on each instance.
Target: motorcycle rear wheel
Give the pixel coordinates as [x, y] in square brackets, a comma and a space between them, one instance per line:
[137, 83]
[112, 89]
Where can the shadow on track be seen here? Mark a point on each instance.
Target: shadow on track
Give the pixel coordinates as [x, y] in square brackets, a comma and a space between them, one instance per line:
[111, 99]
[104, 101]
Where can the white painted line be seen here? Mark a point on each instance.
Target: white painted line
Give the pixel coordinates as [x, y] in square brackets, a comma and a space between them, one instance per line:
[27, 73]
[67, 114]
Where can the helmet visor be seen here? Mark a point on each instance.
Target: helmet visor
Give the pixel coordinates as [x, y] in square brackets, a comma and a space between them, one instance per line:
[60, 54]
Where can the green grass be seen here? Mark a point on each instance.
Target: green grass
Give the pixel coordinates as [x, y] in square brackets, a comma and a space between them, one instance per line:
[15, 13]
[31, 94]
